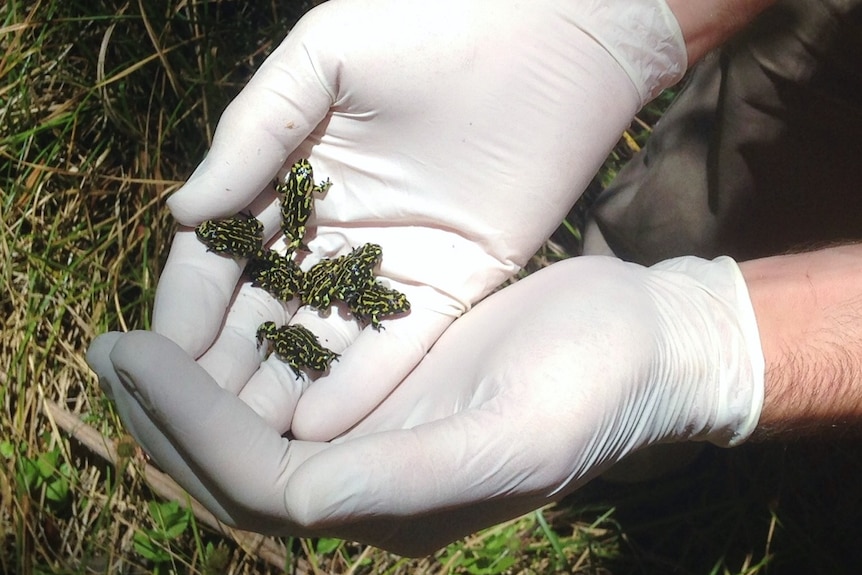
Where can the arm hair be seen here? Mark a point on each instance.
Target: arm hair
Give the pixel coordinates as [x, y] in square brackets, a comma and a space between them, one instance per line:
[809, 312]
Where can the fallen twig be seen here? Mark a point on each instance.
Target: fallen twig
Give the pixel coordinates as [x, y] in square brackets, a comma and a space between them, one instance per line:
[266, 548]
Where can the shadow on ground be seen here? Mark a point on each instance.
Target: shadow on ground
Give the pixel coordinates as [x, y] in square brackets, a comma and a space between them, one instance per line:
[796, 504]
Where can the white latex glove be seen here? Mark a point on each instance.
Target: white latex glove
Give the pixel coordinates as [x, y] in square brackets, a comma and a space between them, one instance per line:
[536, 390]
[457, 135]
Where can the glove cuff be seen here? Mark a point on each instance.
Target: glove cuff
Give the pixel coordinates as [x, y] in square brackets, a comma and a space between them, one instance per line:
[738, 397]
[643, 36]
[744, 398]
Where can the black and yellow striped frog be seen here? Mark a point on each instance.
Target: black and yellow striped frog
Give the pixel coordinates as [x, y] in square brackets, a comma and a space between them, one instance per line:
[297, 346]
[296, 201]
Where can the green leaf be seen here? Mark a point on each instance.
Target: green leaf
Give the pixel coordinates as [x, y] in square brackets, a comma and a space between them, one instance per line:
[148, 548]
[28, 474]
[7, 449]
[57, 489]
[327, 545]
[47, 464]
[170, 517]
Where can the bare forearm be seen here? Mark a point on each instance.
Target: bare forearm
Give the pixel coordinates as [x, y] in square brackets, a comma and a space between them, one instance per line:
[706, 24]
[809, 312]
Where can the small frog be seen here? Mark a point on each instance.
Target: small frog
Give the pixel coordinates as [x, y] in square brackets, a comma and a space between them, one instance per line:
[356, 270]
[296, 201]
[339, 278]
[240, 237]
[277, 274]
[297, 346]
[377, 301]
[320, 283]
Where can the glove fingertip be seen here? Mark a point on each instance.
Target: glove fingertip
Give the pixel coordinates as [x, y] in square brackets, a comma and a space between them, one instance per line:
[178, 208]
[98, 358]
[329, 425]
[140, 353]
[187, 206]
[99, 350]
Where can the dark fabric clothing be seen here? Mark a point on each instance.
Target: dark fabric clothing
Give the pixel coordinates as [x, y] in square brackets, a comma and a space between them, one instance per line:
[761, 152]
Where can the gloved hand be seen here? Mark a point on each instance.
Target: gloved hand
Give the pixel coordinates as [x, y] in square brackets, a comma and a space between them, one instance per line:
[536, 390]
[457, 136]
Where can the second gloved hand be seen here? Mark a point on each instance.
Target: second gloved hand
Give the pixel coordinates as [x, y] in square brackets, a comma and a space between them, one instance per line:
[536, 390]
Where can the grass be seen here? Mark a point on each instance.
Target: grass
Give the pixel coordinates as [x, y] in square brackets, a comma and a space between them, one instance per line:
[105, 107]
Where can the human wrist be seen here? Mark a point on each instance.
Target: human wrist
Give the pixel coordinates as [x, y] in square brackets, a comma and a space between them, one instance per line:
[809, 312]
[706, 24]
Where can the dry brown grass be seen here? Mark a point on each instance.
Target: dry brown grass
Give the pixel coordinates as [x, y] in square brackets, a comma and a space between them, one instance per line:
[104, 109]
